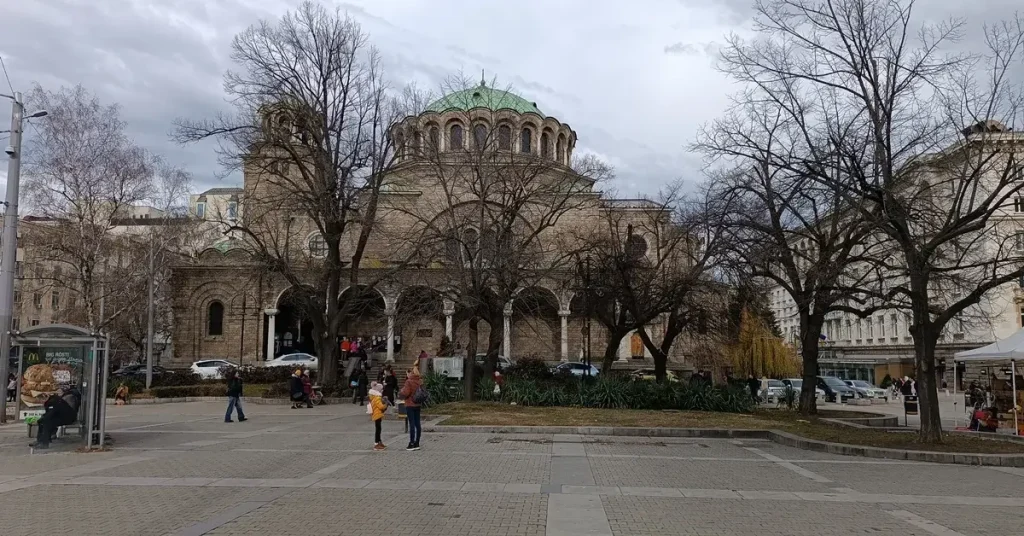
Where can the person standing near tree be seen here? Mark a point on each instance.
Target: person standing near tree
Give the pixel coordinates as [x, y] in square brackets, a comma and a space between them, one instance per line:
[234, 396]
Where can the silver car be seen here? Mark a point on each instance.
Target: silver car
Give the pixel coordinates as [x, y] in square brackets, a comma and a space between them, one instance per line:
[867, 390]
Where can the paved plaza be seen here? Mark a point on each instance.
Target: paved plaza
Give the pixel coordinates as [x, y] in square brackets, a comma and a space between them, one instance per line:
[177, 469]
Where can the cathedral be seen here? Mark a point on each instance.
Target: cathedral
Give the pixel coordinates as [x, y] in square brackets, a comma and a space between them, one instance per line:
[225, 305]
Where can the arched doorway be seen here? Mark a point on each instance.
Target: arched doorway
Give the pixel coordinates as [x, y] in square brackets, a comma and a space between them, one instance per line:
[293, 330]
[536, 329]
[363, 308]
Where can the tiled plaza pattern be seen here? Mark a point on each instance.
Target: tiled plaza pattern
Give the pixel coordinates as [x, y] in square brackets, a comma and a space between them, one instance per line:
[177, 469]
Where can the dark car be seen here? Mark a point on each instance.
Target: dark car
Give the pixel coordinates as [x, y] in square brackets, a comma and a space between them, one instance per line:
[137, 372]
[835, 389]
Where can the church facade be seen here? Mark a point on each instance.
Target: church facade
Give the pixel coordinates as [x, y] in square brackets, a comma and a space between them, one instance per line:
[226, 306]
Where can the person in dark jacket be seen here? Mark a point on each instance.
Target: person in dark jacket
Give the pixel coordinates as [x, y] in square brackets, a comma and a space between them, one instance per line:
[412, 408]
[390, 382]
[234, 396]
[61, 409]
[307, 388]
[754, 385]
[295, 389]
[907, 389]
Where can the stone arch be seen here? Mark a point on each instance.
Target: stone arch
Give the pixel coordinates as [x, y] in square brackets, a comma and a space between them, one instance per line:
[419, 321]
[536, 327]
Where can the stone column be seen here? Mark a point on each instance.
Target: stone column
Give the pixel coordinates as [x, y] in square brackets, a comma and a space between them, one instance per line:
[449, 328]
[507, 331]
[271, 328]
[564, 317]
[391, 334]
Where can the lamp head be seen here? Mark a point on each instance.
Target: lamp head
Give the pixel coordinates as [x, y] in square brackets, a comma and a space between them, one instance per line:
[37, 113]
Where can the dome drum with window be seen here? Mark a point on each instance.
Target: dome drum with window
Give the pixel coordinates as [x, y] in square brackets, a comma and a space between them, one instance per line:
[483, 118]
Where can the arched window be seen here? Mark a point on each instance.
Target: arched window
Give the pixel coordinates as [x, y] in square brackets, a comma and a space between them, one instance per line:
[504, 138]
[317, 245]
[470, 243]
[526, 141]
[215, 319]
[636, 246]
[435, 138]
[545, 145]
[479, 137]
[417, 140]
[560, 149]
[455, 138]
[399, 145]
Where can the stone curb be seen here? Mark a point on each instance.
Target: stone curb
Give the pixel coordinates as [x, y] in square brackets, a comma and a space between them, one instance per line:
[783, 438]
[246, 400]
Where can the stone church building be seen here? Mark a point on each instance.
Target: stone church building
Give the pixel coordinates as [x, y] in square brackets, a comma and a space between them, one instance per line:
[226, 307]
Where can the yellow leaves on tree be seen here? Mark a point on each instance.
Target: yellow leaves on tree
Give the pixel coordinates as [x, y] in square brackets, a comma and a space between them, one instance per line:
[761, 353]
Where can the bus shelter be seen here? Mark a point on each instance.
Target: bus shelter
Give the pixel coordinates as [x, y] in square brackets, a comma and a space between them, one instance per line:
[54, 355]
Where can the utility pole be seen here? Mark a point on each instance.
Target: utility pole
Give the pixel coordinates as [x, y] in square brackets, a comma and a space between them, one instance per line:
[149, 317]
[10, 239]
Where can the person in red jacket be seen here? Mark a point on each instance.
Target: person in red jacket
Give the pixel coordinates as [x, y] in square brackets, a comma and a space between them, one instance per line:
[412, 407]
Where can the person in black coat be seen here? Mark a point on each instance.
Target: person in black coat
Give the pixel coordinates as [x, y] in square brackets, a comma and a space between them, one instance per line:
[61, 410]
[754, 385]
[390, 382]
[295, 389]
[234, 393]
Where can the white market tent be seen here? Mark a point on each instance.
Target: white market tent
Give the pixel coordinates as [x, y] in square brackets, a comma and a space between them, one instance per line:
[1009, 349]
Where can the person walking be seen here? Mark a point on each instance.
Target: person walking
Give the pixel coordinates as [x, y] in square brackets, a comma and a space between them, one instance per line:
[754, 385]
[12, 386]
[295, 389]
[907, 388]
[413, 382]
[390, 382]
[377, 408]
[346, 346]
[307, 389]
[234, 396]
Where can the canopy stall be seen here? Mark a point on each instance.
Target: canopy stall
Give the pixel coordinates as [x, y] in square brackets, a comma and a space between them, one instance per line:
[1009, 349]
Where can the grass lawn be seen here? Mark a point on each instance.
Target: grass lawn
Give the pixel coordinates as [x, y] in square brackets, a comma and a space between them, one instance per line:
[493, 414]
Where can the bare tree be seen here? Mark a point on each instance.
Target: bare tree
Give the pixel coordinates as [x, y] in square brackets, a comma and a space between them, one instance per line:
[786, 225]
[85, 182]
[312, 113]
[883, 104]
[497, 222]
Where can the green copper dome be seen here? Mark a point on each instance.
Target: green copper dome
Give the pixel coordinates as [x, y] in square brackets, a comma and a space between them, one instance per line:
[482, 96]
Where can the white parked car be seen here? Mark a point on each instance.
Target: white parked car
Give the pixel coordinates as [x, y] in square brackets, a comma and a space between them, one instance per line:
[298, 360]
[772, 390]
[867, 390]
[209, 369]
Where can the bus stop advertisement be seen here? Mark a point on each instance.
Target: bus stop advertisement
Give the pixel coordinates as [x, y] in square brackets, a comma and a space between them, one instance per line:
[43, 371]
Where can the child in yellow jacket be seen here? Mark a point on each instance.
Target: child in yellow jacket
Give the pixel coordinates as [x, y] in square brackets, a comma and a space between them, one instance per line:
[377, 406]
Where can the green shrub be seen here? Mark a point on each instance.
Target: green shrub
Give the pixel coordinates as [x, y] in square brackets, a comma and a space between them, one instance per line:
[529, 367]
[278, 390]
[181, 391]
[886, 382]
[485, 390]
[251, 374]
[184, 377]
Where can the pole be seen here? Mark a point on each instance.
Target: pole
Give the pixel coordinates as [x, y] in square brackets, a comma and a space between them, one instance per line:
[10, 245]
[1013, 380]
[150, 328]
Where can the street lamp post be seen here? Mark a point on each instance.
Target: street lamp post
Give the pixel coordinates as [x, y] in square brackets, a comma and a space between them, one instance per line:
[10, 239]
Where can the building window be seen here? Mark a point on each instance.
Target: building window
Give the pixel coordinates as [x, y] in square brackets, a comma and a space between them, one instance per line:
[479, 137]
[19, 269]
[200, 210]
[15, 324]
[55, 300]
[455, 137]
[560, 149]
[636, 246]
[232, 210]
[34, 322]
[894, 328]
[37, 300]
[215, 319]
[1018, 204]
[435, 138]
[526, 141]
[317, 245]
[881, 327]
[504, 138]
[417, 140]
[17, 296]
[399, 145]
[545, 145]
[1018, 241]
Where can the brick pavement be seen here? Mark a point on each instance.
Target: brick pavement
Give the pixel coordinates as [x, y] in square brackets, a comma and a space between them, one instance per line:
[176, 469]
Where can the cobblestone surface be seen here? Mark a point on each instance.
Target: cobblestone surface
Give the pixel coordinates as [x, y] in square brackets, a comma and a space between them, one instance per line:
[178, 469]
[375, 512]
[649, 516]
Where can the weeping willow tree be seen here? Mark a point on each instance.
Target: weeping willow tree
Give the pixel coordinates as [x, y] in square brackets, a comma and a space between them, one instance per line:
[759, 352]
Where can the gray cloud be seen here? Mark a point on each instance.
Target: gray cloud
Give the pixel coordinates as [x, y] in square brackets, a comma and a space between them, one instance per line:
[607, 71]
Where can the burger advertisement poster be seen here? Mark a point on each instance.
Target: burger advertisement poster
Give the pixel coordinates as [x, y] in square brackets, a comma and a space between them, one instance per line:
[44, 370]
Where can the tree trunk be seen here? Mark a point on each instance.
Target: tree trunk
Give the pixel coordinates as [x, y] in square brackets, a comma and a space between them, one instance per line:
[327, 352]
[470, 361]
[611, 349]
[494, 339]
[810, 334]
[925, 340]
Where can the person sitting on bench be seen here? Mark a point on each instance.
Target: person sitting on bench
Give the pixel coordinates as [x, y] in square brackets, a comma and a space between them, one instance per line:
[61, 410]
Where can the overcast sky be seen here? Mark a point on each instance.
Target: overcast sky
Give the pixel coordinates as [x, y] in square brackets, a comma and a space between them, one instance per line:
[634, 79]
